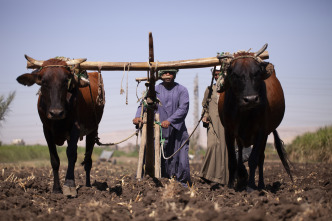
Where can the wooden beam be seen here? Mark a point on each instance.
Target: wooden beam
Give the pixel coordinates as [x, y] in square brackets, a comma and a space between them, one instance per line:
[144, 66]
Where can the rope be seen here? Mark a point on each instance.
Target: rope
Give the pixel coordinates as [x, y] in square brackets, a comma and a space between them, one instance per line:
[110, 144]
[138, 99]
[162, 140]
[55, 65]
[127, 84]
[148, 106]
[124, 72]
[99, 67]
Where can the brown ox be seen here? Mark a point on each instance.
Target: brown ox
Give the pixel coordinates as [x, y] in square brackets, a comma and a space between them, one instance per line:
[68, 112]
[251, 107]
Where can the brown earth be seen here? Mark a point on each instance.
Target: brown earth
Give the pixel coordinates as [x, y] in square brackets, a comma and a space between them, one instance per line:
[25, 194]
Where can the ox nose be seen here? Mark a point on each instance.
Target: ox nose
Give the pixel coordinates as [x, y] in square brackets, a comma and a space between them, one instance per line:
[56, 113]
[253, 99]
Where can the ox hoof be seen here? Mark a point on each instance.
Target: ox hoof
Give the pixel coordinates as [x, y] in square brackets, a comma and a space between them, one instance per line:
[69, 189]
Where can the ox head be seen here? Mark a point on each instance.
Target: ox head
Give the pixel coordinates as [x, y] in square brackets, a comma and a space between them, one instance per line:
[245, 75]
[55, 77]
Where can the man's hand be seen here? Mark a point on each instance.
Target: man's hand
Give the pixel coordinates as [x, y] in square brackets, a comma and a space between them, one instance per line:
[137, 120]
[205, 120]
[165, 124]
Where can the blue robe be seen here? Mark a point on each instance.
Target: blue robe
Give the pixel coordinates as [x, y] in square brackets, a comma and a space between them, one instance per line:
[174, 108]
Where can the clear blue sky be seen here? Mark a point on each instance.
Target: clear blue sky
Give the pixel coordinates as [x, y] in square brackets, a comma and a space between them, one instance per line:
[298, 32]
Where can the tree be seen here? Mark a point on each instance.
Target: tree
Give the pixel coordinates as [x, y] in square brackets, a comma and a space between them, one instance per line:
[4, 105]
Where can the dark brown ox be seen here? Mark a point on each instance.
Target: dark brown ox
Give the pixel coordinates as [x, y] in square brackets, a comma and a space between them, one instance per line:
[251, 107]
[68, 112]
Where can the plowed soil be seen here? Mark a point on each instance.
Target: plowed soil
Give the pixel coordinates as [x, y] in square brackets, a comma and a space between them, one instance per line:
[26, 194]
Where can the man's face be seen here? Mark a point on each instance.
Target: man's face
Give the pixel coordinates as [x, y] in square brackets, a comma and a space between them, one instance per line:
[216, 75]
[168, 77]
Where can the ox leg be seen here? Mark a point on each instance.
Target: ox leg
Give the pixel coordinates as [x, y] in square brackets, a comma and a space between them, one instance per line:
[254, 159]
[261, 184]
[252, 162]
[232, 165]
[87, 163]
[55, 161]
[69, 187]
[242, 174]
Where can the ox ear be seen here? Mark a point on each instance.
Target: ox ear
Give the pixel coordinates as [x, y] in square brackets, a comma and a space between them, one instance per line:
[268, 70]
[29, 79]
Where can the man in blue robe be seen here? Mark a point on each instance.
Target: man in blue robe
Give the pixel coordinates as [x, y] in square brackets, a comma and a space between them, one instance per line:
[173, 109]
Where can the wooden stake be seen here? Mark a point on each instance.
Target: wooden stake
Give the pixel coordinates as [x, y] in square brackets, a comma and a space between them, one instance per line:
[141, 150]
[157, 160]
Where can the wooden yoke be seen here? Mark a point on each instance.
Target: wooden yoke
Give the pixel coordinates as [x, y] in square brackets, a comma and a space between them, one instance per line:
[144, 66]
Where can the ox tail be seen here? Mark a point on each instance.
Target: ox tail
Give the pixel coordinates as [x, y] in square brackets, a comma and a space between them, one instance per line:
[279, 145]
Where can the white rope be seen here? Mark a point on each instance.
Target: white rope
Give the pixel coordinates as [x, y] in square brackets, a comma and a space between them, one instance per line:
[127, 84]
[124, 72]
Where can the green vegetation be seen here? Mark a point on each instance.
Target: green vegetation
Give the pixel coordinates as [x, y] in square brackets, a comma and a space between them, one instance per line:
[309, 147]
[271, 152]
[12, 153]
[38, 154]
[120, 153]
[201, 151]
[312, 147]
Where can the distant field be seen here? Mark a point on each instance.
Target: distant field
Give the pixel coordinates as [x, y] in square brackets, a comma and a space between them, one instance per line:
[309, 147]
[39, 155]
[36, 153]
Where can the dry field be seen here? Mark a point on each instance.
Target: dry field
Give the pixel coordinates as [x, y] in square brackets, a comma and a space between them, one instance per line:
[25, 194]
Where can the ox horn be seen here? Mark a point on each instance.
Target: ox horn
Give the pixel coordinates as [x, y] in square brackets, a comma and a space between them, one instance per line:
[33, 61]
[76, 61]
[261, 50]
